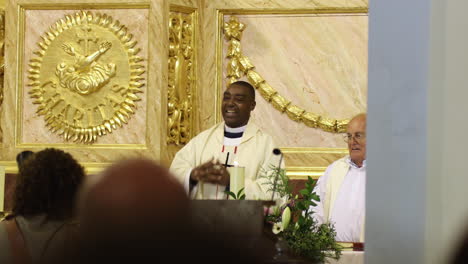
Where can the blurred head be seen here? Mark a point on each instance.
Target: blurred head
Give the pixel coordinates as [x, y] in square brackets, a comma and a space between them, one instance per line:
[238, 102]
[21, 158]
[356, 138]
[135, 208]
[48, 184]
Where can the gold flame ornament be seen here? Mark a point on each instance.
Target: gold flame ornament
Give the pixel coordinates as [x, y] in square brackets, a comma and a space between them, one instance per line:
[86, 76]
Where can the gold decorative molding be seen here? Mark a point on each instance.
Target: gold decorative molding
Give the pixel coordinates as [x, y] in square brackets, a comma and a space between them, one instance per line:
[86, 76]
[300, 173]
[294, 150]
[295, 157]
[239, 65]
[2, 61]
[181, 75]
[2, 53]
[90, 167]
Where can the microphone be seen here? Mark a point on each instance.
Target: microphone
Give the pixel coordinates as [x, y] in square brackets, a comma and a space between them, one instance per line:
[277, 151]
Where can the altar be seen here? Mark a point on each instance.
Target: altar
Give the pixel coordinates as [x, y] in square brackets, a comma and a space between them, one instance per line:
[242, 222]
[349, 257]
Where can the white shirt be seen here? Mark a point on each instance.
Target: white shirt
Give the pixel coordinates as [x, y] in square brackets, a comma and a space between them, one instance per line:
[349, 209]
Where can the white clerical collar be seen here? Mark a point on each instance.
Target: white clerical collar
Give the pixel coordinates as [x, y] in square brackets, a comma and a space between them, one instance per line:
[350, 162]
[235, 129]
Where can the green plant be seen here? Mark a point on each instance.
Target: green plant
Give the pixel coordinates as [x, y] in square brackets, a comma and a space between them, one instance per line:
[282, 186]
[292, 220]
[239, 196]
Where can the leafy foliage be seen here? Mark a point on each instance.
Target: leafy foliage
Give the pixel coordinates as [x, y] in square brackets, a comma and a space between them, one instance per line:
[282, 186]
[239, 196]
[304, 236]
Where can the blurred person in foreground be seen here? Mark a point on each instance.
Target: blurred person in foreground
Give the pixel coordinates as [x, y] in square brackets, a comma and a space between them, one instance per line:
[137, 212]
[41, 225]
[342, 187]
[22, 157]
[20, 160]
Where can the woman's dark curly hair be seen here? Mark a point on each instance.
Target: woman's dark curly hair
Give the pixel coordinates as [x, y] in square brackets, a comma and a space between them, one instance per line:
[48, 184]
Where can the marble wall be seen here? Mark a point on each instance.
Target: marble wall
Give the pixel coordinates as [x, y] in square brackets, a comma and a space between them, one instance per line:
[32, 129]
[314, 53]
[316, 61]
[24, 129]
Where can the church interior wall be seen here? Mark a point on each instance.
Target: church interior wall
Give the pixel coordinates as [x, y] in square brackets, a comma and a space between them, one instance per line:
[288, 42]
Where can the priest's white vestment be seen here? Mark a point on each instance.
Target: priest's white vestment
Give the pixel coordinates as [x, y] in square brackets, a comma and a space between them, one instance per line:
[255, 153]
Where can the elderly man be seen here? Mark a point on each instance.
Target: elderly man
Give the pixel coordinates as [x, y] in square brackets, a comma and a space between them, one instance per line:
[236, 141]
[342, 187]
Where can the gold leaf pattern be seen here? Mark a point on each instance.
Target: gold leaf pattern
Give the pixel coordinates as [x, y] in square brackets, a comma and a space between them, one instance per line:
[181, 78]
[238, 63]
[76, 90]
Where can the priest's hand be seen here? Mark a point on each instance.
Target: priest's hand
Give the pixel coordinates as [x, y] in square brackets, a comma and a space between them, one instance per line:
[212, 172]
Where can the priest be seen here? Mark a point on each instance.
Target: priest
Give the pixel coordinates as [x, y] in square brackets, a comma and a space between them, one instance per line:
[201, 165]
[342, 188]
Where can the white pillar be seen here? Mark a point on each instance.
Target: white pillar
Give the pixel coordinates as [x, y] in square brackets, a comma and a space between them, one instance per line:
[417, 130]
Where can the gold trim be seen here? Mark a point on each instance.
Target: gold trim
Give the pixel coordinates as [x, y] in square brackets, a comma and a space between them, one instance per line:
[182, 9]
[182, 69]
[10, 166]
[219, 65]
[301, 173]
[19, 74]
[65, 6]
[2, 62]
[90, 167]
[2, 55]
[293, 11]
[64, 114]
[294, 173]
[80, 146]
[240, 64]
[94, 168]
[291, 150]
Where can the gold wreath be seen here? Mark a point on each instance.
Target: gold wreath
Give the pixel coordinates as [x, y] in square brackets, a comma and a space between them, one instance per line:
[86, 98]
[240, 65]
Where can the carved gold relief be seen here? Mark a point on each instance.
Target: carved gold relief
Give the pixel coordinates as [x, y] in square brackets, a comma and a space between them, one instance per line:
[86, 76]
[2, 60]
[181, 83]
[2, 52]
[239, 65]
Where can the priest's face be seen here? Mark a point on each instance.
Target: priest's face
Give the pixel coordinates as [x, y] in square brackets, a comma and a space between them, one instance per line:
[238, 102]
[356, 134]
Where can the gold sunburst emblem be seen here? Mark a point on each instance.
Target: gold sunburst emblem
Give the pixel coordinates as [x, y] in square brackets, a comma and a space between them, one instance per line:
[86, 76]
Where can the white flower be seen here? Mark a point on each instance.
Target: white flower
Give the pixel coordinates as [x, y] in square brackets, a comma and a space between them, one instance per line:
[277, 228]
[286, 217]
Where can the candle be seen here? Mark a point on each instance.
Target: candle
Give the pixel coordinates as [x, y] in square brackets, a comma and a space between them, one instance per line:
[237, 178]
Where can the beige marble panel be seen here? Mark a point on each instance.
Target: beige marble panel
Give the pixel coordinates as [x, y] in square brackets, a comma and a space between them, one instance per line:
[37, 23]
[143, 138]
[316, 61]
[303, 159]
